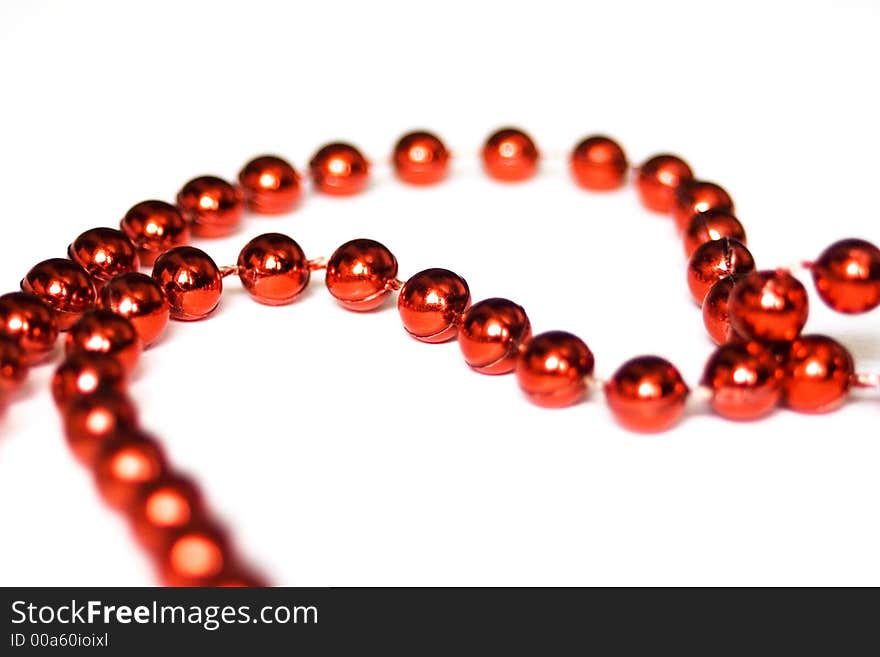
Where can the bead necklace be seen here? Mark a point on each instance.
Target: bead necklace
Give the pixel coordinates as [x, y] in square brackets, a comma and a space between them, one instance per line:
[110, 312]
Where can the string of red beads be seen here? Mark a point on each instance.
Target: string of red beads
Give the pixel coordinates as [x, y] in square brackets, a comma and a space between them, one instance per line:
[111, 311]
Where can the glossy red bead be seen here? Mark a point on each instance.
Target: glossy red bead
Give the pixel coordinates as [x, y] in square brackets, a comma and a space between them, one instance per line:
[273, 269]
[712, 261]
[163, 508]
[139, 298]
[90, 421]
[190, 280]
[696, 196]
[125, 466]
[104, 253]
[510, 155]
[30, 323]
[361, 274]
[716, 317]
[647, 394]
[553, 367]
[598, 163]
[659, 178]
[847, 276]
[339, 169]
[818, 374]
[105, 332]
[154, 227]
[770, 306]
[213, 206]
[64, 286]
[13, 368]
[745, 380]
[492, 334]
[85, 373]
[431, 304]
[711, 225]
[420, 158]
[195, 557]
[270, 185]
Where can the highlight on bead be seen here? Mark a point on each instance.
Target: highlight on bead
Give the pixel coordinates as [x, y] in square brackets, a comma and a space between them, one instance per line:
[847, 276]
[818, 374]
[213, 206]
[64, 286]
[190, 280]
[154, 227]
[553, 368]
[697, 196]
[420, 158]
[361, 274]
[431, 304]
[105, 332]
[273, 269]
[714, 260]
[270, 185]
[104, 253]
[30, 323]
[510, 155]
[339, 169]
[745, 380]
[711, 225]
[647, 394]
[598, 163]
[139, 298]
[13, 367]
[163, 508]
[491, 335]
[771, 306]
[91, 420]
[86, 373]
[658, 179]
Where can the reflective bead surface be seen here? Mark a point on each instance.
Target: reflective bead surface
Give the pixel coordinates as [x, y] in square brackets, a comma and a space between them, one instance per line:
[714, 260]
[716, 317]
[154, 227]
[510, 155]
[30, 323]
[90, 421]
[770, 306]
[270, 185]
[339, 169]
[104, 253]
[13, 368]
[162, 508]
[85, 373]
[139, 298]
[598, 163]
[711, 225]
[125, 466]
[745, 379]
[420, 158]
[553, 367]
[659, 178]
[361, 274]
[491, 335]
[431, 304]
[213, 206]
[696, 196]
[647, 394]
[190, 280]
[103, 331]
[818, 374]
[64, 286]
[273, 269]
[847, 276]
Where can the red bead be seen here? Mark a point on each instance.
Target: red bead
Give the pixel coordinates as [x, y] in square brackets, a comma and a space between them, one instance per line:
[104, 253]
[139, 298]
[492, 334]
[360, 274]
[270, 185]
[125, 467]
[510, 155]
[659, 178]
[273, 269]
[13, 368]
[154, 227]
[195, 557]
[847, 276]
[64, 286]
[29, 322]
[163, 508]
[190, 280]
[770, 306]
[339, 169]
[103, 331]
[714, 260]
[431, 304]
[599, 163]
[696, 196]
[818, 375]
[745, 379]
[213, 206]
[85, 373]
[420, 158]
[711, 225]
[716, 317]
[553, 367]
[647, 394]
[90, 421]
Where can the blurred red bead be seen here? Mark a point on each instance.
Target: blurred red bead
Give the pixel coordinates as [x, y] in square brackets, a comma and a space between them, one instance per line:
[125, 466]
[420, 158]
[431, 304]
[360, 274]
[553, 367]
[213, 206]
[510, 155]
[745, 379]
[599, 163]
[770, 306]
[85, 373]
[104, 253]
[195, 557]
[154, 227]
[13, 368]
[339, 169]
[659, 178]
[64, 286]
[103, 331]
[273, 269]
[162, 508]
[139, 298]
[647, 394]
[190, 280]
[711, 225]
[30, 323]
[847, 276]
[696, 196]
[492, 334]
[716, 317]
[819, 373]
[90, 421]
[712, 261]
[270, 185]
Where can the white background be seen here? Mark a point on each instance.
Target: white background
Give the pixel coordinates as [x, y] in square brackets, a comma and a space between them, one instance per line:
[340, 451]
